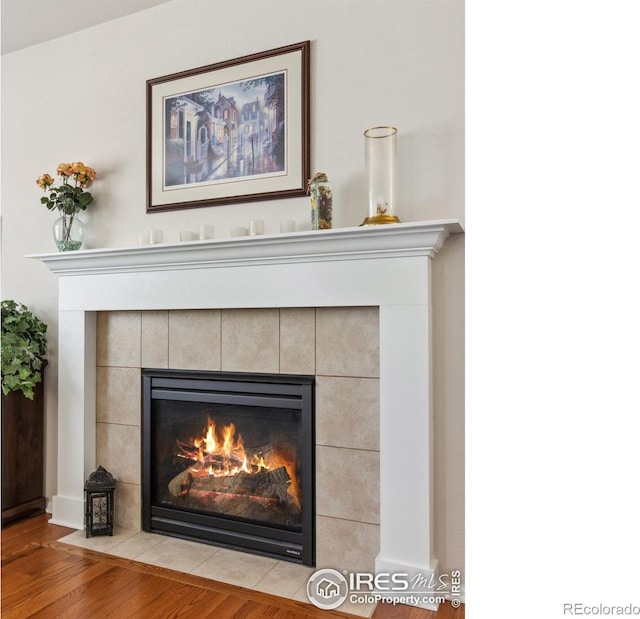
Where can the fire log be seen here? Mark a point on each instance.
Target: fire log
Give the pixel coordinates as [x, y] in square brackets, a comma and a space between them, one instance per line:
[267, 484]
[181, 483]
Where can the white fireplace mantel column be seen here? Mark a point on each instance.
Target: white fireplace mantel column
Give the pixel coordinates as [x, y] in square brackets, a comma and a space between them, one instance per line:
[384, 266]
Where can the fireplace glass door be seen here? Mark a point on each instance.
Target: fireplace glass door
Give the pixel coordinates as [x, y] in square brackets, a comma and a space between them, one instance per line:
[228, 459]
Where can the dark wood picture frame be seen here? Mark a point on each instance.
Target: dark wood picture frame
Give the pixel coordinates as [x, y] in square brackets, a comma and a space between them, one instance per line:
[231, 132]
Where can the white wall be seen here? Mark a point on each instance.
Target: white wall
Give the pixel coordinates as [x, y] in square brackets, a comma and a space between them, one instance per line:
[82, 97]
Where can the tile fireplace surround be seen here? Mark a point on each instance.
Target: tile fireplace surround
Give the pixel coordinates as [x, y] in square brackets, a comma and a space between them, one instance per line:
[387, 267]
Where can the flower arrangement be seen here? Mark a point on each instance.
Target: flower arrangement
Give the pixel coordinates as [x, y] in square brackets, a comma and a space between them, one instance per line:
[68, 198]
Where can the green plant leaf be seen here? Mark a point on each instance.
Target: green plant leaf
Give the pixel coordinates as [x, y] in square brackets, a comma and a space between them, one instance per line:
[24, 346]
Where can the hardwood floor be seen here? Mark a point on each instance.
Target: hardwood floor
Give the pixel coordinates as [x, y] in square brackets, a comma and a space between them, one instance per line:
[42, 577]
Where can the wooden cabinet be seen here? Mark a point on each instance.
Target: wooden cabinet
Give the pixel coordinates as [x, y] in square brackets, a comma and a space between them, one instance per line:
[22, 455]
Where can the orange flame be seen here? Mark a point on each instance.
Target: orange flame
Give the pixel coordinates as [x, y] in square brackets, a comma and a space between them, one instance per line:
[221, 453]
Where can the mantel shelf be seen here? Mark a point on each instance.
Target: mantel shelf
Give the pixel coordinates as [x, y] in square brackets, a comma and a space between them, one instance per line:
[405, 239]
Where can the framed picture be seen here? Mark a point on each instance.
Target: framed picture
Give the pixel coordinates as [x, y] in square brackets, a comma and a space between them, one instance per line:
[231, 132]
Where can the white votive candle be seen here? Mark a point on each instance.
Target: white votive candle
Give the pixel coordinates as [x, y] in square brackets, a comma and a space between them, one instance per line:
[256, 226]
[155, 236]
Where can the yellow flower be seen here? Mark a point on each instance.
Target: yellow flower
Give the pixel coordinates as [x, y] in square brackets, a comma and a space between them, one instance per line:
[44, 181]
[70, 196]
[65, 169]
[82, 173]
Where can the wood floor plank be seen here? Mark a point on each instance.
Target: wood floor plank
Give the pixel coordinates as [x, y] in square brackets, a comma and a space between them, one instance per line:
[96, 598]
[182, 601]
[401, 611]
[38, 593]
[43, 570]
[227, 606]
[42, 577]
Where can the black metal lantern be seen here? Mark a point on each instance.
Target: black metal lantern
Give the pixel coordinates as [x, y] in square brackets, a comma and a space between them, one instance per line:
[98, 511]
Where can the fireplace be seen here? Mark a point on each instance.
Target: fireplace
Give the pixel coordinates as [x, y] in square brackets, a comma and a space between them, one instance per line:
[388, 267]
[228, 459]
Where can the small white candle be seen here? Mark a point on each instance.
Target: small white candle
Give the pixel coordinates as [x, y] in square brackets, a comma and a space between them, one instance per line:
[256, 226]
[155, 236]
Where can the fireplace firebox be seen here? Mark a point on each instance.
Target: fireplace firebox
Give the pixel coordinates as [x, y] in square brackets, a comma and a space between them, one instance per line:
[228, 459]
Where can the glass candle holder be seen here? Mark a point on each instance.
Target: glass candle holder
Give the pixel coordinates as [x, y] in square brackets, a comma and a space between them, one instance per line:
[380, 154]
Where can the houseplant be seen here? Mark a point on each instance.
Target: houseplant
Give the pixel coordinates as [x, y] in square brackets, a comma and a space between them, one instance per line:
[69, 198]
[24, 346]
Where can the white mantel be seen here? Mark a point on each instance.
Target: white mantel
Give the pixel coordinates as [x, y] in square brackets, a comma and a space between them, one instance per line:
[384, 266]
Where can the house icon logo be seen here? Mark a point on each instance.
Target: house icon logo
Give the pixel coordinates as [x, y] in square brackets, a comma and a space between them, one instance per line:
[327, 589]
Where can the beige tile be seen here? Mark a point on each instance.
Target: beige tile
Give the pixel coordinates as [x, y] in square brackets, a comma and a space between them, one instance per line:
[136, 545]
[348, 412]
[235, 568]
[177, 554]
[250, 340]
[127, 505]
[118, 339]
[74, 538]
[118, 395]
[284, 579]
[347, 341]
[118, 451]
[155, 339]
[194, 339]
[298, 341]
[348, 484]
[346, 545]
[99, 543]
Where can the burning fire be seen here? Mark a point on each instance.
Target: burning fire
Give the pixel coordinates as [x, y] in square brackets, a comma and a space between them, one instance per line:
[221, 452]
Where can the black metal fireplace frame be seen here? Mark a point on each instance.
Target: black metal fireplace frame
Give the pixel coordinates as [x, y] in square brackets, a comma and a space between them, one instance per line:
[268, 390]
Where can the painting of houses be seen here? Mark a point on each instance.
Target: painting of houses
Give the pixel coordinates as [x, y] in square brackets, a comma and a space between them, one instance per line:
[229, 131]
